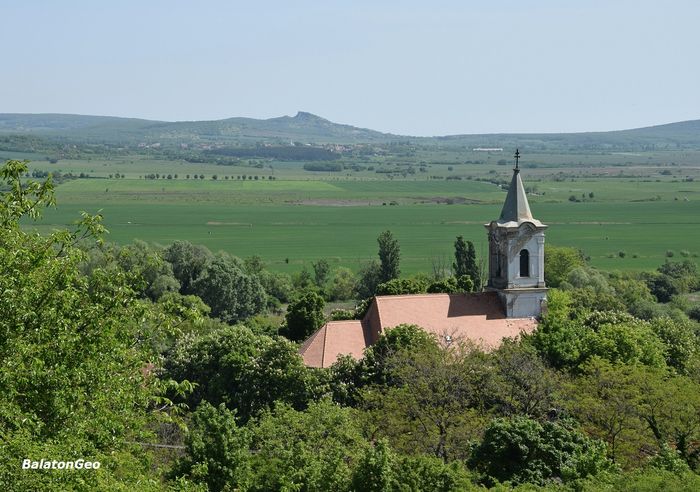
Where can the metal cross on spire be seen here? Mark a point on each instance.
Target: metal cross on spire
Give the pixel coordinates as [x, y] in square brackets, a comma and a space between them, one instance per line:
[517, 158]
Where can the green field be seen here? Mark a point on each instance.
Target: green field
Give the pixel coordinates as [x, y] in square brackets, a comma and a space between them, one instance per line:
[291, 222]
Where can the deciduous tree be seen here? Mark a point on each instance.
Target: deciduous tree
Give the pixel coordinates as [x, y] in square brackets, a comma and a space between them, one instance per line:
[304, 316]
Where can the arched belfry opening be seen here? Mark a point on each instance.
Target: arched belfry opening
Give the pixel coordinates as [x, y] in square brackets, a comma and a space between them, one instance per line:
[516, 253]
[524, 263]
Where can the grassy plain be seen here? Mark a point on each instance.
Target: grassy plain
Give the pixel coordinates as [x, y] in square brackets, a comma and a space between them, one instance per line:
[639, 208]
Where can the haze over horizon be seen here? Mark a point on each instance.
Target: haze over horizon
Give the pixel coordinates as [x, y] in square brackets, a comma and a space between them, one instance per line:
[408, 69]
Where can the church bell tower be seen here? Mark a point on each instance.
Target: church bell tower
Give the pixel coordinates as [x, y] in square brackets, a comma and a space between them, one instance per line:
[516, 254]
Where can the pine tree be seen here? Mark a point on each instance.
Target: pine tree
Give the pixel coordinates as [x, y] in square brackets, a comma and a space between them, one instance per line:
[472, 266]
[389, 255]
[465, 261]
[461, 259]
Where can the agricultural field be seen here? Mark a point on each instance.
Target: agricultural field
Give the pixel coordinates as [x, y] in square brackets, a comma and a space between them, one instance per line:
[626, 212]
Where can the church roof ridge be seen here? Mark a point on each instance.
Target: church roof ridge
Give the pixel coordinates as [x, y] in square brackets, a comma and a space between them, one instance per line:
[430, 294]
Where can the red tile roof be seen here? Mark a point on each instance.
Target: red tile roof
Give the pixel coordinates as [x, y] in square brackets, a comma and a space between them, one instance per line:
[476, 317]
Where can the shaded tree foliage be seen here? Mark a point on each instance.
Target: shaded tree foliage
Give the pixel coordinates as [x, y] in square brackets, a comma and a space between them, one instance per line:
[635, 407]
[304, 316]
[246, 372]
[522, 450]
[188, 262]
[368, 278]
[465, 263]
[155, 275]
[342, 285]
[321, 271]
[436, 401]
[231, 294]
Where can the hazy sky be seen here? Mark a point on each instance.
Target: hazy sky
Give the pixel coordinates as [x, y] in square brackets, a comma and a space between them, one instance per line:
[419, 68]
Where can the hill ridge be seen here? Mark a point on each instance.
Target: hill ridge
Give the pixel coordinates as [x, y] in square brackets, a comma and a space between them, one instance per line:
[306, 127]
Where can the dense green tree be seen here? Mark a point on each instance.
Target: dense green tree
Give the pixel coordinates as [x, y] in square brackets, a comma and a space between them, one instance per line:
[342, 284]
[681, 341]
[649, 479]
[637, 408]
[304, 316]
[630, 342]
[526, 386]
[587, 298]
[217, 450]
[522, 450]
[452, 285]
[422, 472]
[633, 294]
[684, 272]
[461, 263]
[605, 400]
[231, 294]
[247, 372]
[376, 469]
[155, 275]
[613, 335]
[436, 401]
[321, 271]
[277, 285]
[473, 270]
[465, 261]
[400, 286]
[389, 257]
[72, 381]
[368, 278]
[559, 340]
[585, 277]
[254, 265]
[670, 406]
[662, 286]
[188, 262]
[314, 450]
[302, 280]
[558, 262]
[377, 361]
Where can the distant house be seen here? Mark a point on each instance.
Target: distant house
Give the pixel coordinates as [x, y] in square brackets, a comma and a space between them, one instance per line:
[513, 300]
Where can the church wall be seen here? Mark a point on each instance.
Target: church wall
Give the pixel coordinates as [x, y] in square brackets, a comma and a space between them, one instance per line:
[524, 303]
[373, 321]
[535, 246]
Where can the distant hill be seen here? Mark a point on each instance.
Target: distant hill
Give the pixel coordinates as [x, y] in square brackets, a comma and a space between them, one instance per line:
[303, 127]
[308, 128]
[685, 134]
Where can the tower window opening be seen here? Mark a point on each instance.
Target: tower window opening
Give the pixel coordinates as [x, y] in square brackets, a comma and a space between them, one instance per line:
[524, 263]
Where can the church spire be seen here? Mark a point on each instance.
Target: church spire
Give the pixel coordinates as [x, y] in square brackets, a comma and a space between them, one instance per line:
[516, 207]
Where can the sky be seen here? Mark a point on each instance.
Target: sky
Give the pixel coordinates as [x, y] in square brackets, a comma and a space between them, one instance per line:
[405, 67]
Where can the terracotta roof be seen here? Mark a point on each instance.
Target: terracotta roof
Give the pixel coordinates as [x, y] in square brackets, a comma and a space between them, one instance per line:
[516, 208]
[334, 339]
[476, 317]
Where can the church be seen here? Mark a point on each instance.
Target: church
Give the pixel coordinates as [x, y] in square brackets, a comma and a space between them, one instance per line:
[514, 297]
